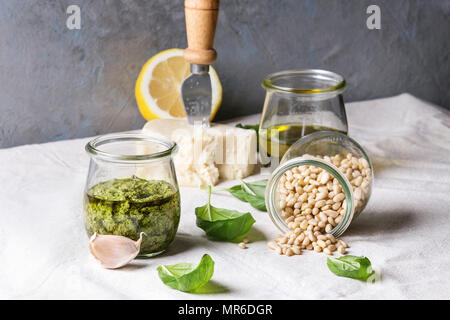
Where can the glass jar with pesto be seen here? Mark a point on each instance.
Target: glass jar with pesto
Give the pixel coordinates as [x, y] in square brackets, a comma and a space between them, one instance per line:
[132, 188]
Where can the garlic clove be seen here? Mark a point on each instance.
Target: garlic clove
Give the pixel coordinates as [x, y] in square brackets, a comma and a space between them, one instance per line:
[114, 251]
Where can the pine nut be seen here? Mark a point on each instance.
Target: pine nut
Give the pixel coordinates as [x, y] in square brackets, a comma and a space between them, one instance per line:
[323, 216]
[312, 237]
[331, 221]
[330, 186]
[301, 237]
[304, 224]
[323, 179]
[339, 197]
[320, 203]
[296, 250]
[341, 250]
[336, 206]
[343, 244]
[336, 189]
[331, 213]
[321, 243]
[290, 219]
[364, 163]
[242, 245]
[306, 242]
[321, 196]
[357, 181]
[272, 245]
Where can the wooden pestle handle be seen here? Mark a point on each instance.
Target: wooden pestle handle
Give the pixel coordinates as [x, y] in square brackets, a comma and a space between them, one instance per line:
[201, 21]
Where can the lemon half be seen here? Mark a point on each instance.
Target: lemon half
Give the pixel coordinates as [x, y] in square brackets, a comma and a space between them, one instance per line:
[158, 88]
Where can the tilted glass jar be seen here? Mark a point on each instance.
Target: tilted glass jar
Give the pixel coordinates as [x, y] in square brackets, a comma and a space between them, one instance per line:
[132, 188]
[299, 102]
[339, 155]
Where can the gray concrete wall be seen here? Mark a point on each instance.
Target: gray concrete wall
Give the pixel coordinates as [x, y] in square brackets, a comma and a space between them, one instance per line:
[59, 84]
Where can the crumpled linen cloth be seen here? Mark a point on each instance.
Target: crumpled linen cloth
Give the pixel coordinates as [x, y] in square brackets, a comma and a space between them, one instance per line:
[405, 229]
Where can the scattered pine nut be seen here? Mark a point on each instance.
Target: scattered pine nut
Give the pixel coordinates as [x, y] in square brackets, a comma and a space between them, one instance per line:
[242, 245]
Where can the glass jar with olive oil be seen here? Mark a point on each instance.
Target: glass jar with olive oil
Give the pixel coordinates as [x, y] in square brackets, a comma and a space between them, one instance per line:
[299, 102]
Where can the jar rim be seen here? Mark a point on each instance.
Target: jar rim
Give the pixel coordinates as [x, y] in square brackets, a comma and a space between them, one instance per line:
[274, 179]
[332, 82]
[92, 147]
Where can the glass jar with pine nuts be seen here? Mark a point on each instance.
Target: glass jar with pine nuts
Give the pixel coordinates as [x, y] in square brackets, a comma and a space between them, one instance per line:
[322, 184]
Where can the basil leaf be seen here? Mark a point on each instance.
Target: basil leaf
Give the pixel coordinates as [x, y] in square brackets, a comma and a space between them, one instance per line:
[256, 202]
[187, 277]
[251, 192]
[353, 267]
[248, 126]
[222, 224]
[237, 192]
[257, 188]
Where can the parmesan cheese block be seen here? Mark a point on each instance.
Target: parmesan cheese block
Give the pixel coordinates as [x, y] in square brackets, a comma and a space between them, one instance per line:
[208, 155]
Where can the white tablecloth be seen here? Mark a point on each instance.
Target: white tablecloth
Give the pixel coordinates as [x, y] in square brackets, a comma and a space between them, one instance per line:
[405, 230]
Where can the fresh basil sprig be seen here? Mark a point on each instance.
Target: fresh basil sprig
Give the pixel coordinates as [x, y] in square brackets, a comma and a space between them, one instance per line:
[251, 192]
[187, 277]
[349, 266]
[222, 224]
[256, 188]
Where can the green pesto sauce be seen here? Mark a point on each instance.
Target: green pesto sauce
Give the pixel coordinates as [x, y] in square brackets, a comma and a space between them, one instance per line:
[127, 207]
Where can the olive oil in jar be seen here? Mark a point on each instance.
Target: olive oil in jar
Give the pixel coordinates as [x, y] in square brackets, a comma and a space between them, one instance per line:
[281, 137]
